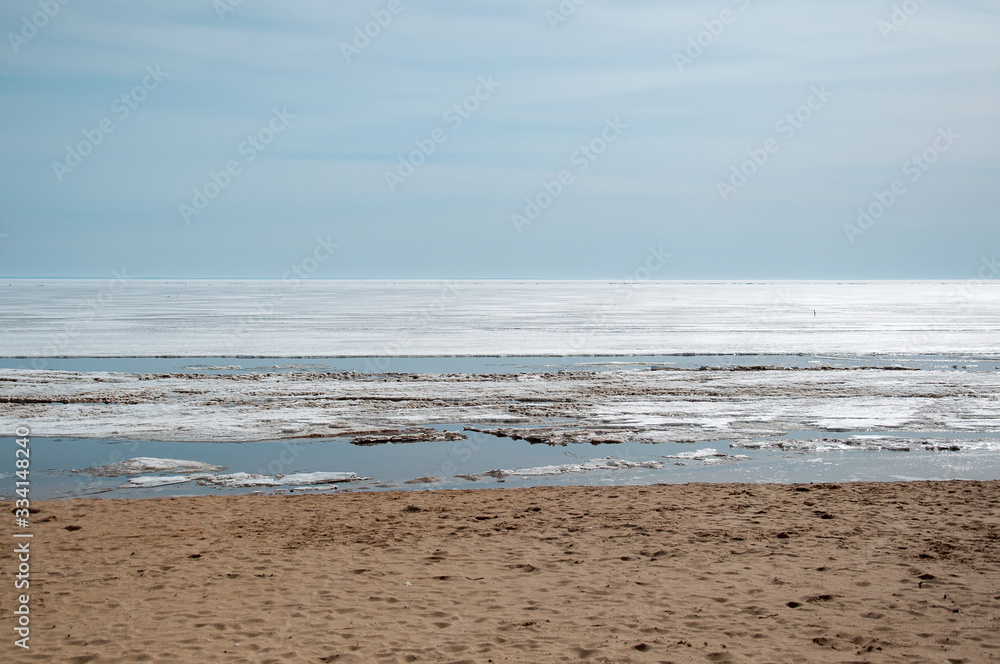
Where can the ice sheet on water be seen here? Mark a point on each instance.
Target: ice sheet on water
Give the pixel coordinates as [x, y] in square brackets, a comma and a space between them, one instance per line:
[871, 442]
[707, 453]
[580, 407]
[150, 481]
[301, 479]
[241, 480]
[706, 456]
[810, 445]
[140, 465]
[235, 480]
[515, 318]
[607, 463]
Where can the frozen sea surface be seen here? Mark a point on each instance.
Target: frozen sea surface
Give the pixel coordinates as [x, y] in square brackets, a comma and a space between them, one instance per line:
[149, 383]
[651, 406]
[288, 319]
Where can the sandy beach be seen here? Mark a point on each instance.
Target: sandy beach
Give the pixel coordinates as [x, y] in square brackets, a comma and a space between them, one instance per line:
[521, 332]
[887, 572]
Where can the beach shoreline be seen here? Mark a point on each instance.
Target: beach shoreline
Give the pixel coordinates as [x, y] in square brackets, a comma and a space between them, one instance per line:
[872, 572]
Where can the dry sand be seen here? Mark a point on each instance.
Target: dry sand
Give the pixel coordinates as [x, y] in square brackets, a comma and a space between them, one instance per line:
[893, 572]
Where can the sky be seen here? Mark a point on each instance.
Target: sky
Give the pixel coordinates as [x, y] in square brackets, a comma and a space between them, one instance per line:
[582, 139]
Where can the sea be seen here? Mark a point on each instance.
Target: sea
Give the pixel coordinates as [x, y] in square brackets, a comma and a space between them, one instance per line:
[489, 327]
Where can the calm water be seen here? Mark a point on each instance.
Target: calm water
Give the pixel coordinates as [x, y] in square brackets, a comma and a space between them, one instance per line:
[53, 461]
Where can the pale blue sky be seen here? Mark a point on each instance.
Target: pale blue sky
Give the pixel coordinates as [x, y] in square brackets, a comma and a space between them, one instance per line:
[680, 131]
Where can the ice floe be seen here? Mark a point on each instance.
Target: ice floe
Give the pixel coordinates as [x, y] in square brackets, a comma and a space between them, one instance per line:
[236, 480]
[557, 435]
[243, 480]
[871, 442]
[140, 465]
[408, 435]
[152, 481]
[707, 455]
[607, 463]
